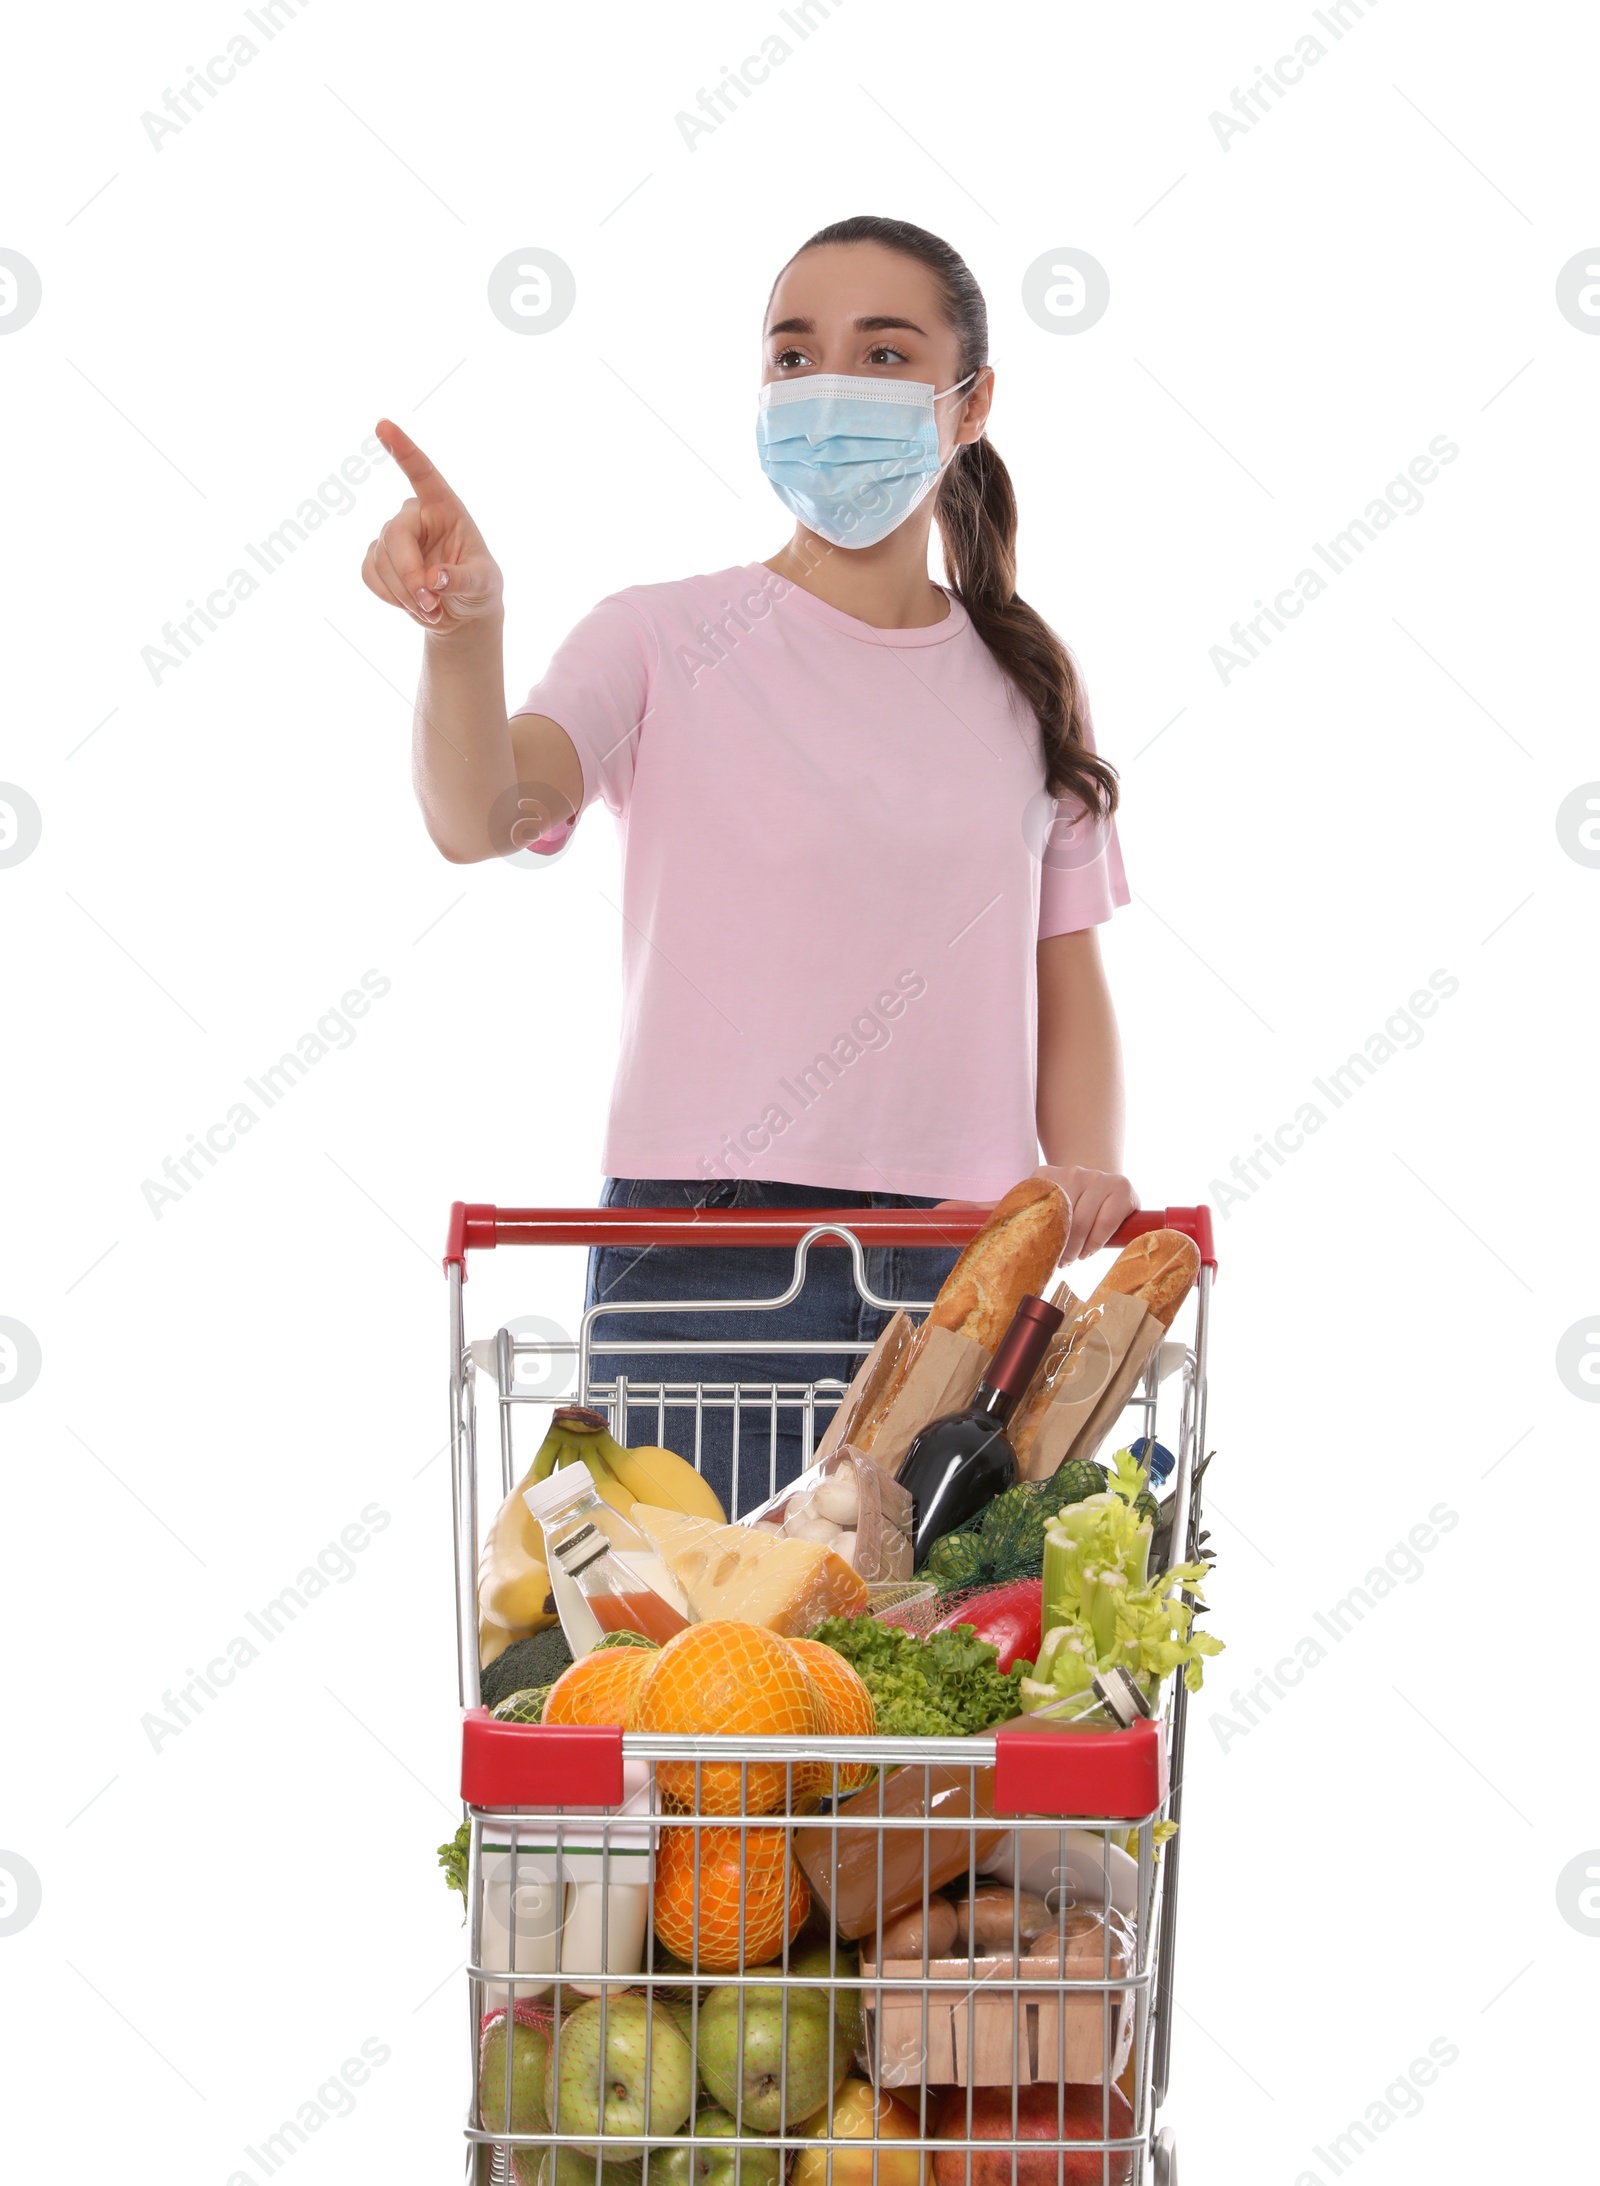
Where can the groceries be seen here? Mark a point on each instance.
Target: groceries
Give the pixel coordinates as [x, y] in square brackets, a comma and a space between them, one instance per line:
[833, 1961]
[536, 1659]
[1045, 2113]
[605, 2082]
[1009, 2018]
[764, 2053]
[752, 1896]
[935, 1371]
[1014, 1253]
[602, 1688]
[565, 2167]
[515, 1596]
[993, 1953]
[1054, 1862]
[861, 2112]
[1101, 1350]
[1011, 1533]
[736, 1679]
[846, 1710]
[1005, 1541]
[578, 1435]
[929, 1406]
[511, 2090]
[608, 1576]
[849, 1504]
[695, 2165]
[526, 1706]
[941, 1687]
[1102, 1610]
[1007, 1618]
[959, 1463]
[568, 1899]
[453, 1857]
[513, 1579]
[653, 1475]
[858, 1875]
[751, 1575]
[992, 1918]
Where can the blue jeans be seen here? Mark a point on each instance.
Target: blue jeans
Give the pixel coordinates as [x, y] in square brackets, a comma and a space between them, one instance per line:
[768, 1448]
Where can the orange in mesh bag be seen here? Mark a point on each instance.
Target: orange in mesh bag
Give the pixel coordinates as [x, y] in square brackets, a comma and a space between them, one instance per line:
[735, 1680]
[744, 1875]
[847, 1712]
[601, 1688]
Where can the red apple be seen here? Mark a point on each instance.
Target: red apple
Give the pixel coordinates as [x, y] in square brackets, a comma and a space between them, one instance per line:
[1080, 2117]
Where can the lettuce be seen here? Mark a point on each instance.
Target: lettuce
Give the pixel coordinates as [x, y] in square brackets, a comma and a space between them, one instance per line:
[940, 1687]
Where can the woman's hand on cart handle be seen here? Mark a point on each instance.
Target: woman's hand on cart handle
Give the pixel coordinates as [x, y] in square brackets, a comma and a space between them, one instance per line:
[430, 559]
[1101, 1202]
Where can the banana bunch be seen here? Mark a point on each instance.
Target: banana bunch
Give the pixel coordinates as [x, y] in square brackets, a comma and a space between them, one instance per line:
[514, 1597]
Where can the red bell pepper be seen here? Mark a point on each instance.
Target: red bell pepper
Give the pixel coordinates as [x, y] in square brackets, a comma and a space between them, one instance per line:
[1010, 1618]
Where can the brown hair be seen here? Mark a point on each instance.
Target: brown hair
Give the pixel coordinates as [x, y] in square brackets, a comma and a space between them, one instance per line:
[977, 515]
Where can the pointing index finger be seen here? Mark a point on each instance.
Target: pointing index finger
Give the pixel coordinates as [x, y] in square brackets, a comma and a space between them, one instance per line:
[430, 483]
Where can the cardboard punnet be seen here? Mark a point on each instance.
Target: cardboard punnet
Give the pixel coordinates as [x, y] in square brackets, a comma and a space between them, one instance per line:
[981, 2039]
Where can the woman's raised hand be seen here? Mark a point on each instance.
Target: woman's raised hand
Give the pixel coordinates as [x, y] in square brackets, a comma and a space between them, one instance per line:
[430, 559]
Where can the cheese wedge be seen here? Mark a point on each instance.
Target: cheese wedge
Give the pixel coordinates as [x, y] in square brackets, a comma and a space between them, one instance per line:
[751, 1574]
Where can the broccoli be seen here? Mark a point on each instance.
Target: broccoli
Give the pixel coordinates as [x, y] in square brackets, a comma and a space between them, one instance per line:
[536, 1661]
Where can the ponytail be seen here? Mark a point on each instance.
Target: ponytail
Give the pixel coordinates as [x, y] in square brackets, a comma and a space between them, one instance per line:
[976, 512]
[977, 517]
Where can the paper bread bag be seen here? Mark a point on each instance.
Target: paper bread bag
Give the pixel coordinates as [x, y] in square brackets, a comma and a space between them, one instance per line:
[1095, 1362]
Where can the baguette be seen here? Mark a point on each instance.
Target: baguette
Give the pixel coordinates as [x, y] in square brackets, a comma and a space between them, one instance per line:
[1011, 1258]
[1158, 1269]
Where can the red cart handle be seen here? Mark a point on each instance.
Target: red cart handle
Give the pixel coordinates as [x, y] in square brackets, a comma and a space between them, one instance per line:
[477, 1228]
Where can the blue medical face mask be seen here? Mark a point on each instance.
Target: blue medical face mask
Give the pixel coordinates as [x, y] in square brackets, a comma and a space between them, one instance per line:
[851, 456]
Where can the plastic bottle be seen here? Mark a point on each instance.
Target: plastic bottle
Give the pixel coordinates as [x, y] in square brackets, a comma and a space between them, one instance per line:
[623, 1583]
[1157, 1460]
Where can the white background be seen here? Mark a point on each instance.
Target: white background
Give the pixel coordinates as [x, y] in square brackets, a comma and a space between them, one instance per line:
[1294, 315]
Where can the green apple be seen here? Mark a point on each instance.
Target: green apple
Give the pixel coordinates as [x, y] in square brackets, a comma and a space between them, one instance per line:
[813, 1961]
[597, 2094]
[777, 2079]
[692, 2165]
[534, 2167]
[530, 2053]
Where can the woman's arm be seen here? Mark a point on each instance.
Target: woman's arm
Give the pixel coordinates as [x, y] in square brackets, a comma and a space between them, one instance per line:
[486, 785]
[1079, 1101]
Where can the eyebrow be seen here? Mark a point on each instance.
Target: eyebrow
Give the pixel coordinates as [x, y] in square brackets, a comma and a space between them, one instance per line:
[876, 323]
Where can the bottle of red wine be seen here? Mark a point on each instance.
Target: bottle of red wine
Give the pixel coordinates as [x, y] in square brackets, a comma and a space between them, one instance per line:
[961, 1462]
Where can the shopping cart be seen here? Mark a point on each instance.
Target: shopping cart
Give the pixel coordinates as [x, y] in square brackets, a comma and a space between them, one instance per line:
[1048, 2045]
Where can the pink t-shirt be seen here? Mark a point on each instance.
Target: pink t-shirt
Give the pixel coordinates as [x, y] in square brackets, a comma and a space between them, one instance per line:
[837, 861]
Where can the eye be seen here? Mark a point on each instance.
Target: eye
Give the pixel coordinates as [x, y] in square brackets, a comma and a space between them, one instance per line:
[886, 353]
[787, 359]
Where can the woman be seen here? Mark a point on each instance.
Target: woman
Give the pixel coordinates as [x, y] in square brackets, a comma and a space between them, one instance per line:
[866, 836]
